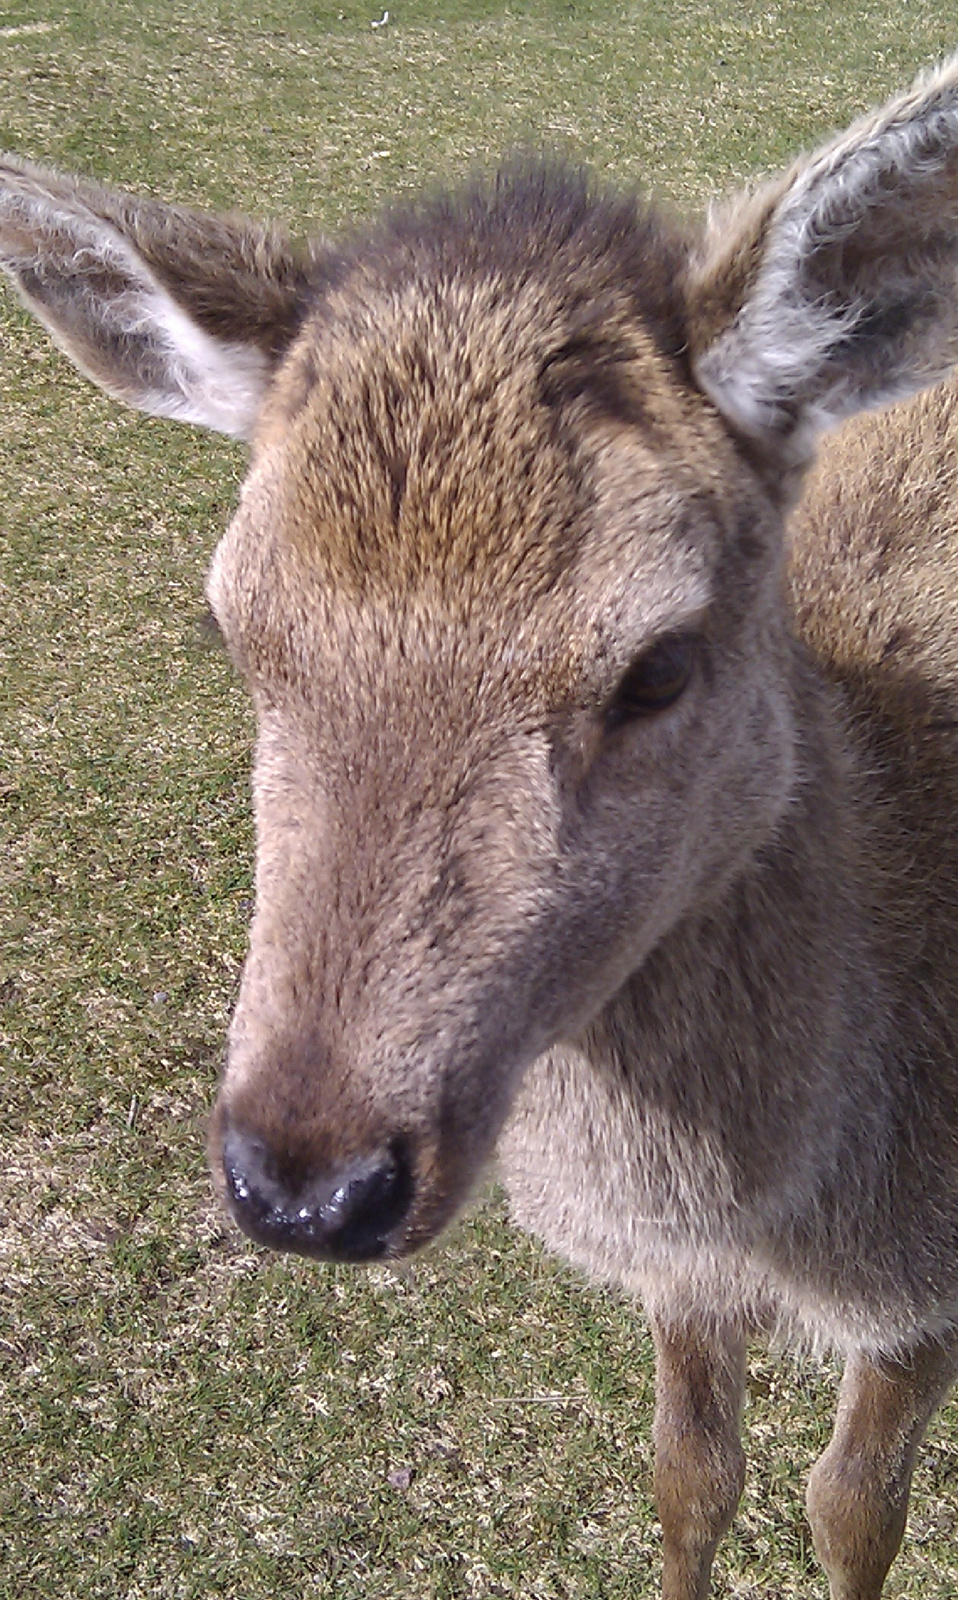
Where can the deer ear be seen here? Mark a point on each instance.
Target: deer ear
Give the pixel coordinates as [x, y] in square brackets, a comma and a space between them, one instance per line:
[835, 288]
[177, 313]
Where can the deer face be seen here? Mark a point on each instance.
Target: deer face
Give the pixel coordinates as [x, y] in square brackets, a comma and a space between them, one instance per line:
[505, 587]
[496, 640]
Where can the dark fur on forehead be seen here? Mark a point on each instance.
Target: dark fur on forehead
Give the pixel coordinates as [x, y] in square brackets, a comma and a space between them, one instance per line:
[432, 439]
[539, 222]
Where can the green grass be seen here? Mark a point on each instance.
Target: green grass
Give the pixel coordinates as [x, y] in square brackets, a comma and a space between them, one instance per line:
[182, 1415]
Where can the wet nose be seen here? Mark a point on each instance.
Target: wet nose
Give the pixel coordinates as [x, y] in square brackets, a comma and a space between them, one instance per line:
[345, 1215]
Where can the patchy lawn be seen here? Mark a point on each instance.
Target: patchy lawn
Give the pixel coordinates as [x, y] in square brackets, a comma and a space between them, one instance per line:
[183, 1415]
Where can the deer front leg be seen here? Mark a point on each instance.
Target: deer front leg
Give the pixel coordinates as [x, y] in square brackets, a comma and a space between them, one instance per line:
[699, 1460]
[857, 1496]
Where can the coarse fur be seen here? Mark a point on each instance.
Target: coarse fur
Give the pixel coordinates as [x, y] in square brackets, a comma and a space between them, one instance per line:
[607, 769]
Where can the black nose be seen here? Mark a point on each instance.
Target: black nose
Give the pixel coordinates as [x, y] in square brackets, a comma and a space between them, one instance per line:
[348, 1215]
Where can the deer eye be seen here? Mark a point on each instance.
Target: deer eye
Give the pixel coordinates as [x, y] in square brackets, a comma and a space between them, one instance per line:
[654, 680]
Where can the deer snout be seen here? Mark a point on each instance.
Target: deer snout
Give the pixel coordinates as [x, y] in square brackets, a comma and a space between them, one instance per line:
[349, 1214]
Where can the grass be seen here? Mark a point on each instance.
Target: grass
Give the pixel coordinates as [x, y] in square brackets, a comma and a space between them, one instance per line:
[182, 1415]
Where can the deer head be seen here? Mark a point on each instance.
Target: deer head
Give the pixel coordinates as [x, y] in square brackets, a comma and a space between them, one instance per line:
[505, 584]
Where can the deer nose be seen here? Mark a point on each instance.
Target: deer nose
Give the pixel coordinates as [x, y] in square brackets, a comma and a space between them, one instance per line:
[347, 1215]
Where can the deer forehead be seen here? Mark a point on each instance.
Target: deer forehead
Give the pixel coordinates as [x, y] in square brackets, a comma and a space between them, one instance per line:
[436, 478]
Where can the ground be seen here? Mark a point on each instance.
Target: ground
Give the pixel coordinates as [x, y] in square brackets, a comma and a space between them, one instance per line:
[181, 1414]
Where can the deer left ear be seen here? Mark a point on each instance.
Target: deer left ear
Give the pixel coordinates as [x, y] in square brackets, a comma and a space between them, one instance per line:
[177, 313]
[835, 288]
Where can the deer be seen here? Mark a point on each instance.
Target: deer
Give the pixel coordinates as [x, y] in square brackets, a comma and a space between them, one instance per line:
[595, 581]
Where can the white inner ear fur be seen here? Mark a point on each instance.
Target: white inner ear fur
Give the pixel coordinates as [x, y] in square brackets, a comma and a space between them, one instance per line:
[779, 368]
[133, 340]
[213, 383]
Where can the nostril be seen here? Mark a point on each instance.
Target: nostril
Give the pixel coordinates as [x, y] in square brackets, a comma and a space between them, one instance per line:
[256, 1198]
[348, 1214]
[375, 1190]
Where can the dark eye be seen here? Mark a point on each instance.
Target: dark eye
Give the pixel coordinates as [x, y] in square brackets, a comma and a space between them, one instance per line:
[654, 680]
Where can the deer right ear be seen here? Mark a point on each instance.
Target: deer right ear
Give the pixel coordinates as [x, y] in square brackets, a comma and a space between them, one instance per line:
[835, 288]
[177, 313]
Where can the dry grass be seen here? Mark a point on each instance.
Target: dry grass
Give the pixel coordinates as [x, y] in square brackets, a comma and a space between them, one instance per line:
[181, 1415]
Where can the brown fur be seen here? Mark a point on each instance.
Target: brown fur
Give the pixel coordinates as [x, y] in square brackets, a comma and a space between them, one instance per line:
[605, 818]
